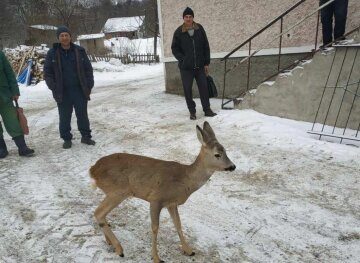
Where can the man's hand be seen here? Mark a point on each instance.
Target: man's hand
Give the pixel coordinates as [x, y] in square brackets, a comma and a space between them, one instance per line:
[206, 68]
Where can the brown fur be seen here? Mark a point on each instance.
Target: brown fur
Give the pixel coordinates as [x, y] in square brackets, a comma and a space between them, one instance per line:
[162, 183]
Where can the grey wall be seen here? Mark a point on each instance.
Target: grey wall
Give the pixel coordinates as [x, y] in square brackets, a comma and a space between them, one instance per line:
[261, 67]
[230, 22]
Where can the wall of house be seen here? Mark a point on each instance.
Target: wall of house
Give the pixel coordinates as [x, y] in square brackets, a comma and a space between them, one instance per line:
[261, 67]
[93, 46]
[228, 23]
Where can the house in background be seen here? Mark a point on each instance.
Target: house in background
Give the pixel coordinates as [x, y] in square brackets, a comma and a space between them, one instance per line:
[123, 27]
[93, 43]
[41, 34]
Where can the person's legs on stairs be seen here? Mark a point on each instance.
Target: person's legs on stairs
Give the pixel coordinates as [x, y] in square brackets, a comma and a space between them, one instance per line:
[326, 21]
[340, 14]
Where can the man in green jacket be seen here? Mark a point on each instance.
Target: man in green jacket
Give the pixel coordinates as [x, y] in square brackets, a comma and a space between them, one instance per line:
[9, 91]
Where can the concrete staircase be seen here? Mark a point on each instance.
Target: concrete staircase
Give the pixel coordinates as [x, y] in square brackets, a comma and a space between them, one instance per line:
[297, 94]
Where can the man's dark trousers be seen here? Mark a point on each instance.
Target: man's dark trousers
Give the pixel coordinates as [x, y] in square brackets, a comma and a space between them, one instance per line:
[187, 77]
[73, 100]
[338, 9]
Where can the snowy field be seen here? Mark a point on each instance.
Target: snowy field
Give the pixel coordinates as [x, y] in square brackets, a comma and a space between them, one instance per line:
[292, 197]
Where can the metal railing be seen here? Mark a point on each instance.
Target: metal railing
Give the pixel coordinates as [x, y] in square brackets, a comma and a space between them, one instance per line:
[279, 36]
[338, 101]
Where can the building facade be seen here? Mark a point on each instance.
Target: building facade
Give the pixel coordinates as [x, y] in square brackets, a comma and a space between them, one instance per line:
[228, 23]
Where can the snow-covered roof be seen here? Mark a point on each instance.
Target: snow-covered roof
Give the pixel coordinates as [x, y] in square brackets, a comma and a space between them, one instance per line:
[123, 24]
[44, 27]
[90, 36]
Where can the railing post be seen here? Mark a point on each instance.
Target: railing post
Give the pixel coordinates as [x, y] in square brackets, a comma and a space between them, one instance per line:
[280, 43]
[317, 30]
[248, 68]
[222, 101]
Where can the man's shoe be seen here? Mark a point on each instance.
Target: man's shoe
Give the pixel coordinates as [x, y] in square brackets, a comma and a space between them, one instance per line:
[27, 152]
[67, 144]
[210, 113]
[87, 140]
[192, 116]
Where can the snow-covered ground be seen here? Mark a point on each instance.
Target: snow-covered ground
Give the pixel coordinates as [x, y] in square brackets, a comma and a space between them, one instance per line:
[292, 197]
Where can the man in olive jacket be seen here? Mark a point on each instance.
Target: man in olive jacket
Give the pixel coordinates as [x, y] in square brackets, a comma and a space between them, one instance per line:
[190, 47]
[9, 91]
[69, 75]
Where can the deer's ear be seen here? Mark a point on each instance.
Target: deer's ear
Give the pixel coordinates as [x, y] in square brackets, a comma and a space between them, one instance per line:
[200, 135]
[207, 128]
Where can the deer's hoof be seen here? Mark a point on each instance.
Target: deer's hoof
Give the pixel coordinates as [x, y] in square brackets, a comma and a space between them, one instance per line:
[121, 255]
[190, 254]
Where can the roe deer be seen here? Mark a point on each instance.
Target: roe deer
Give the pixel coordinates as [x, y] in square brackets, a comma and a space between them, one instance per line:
[161, 183]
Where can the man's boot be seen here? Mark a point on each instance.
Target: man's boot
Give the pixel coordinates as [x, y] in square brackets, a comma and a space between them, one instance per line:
[3, 149]
[23, 149]
[87, 140]
[209, 113]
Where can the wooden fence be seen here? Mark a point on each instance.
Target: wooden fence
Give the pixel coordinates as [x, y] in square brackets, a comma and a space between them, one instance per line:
[126, 59]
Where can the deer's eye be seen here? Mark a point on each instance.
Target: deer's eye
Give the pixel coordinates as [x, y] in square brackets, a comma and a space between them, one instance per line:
[217, 155]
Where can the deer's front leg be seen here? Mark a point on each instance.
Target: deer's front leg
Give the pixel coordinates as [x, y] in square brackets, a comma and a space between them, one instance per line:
[155, 209]
[174, 213]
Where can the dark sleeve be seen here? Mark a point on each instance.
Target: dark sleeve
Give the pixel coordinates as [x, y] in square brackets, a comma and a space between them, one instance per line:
[49, 74]
[206, 48]
[175, 47]
[88, 69]
[10, 76]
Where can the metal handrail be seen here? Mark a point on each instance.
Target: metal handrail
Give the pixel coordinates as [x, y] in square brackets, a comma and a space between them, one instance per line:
[263, 29]
[251, 54]
[281, 34]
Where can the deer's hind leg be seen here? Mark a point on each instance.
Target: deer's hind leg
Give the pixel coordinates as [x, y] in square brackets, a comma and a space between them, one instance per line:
[108, 204]
[174, 213]
[155, 209]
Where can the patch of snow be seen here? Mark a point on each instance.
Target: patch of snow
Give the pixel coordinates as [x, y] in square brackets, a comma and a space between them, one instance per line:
[292, 197]
[123, 24]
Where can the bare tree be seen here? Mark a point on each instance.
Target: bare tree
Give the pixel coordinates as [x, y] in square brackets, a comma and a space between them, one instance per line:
[10, 22]
[64, 10]
[152, 21]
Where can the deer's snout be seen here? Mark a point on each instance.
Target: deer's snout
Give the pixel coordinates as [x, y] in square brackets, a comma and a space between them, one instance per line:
[230, 168]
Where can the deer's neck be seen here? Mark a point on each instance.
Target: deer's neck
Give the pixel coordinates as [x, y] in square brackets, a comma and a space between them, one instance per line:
[198, 173]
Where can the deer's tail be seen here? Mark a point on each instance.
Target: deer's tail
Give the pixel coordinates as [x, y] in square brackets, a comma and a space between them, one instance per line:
[93, 180]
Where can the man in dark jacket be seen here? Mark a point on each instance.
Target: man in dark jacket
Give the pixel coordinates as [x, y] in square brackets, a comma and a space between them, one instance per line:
[69, 75]
[9, 91]
[190, 47]
[338, 9]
